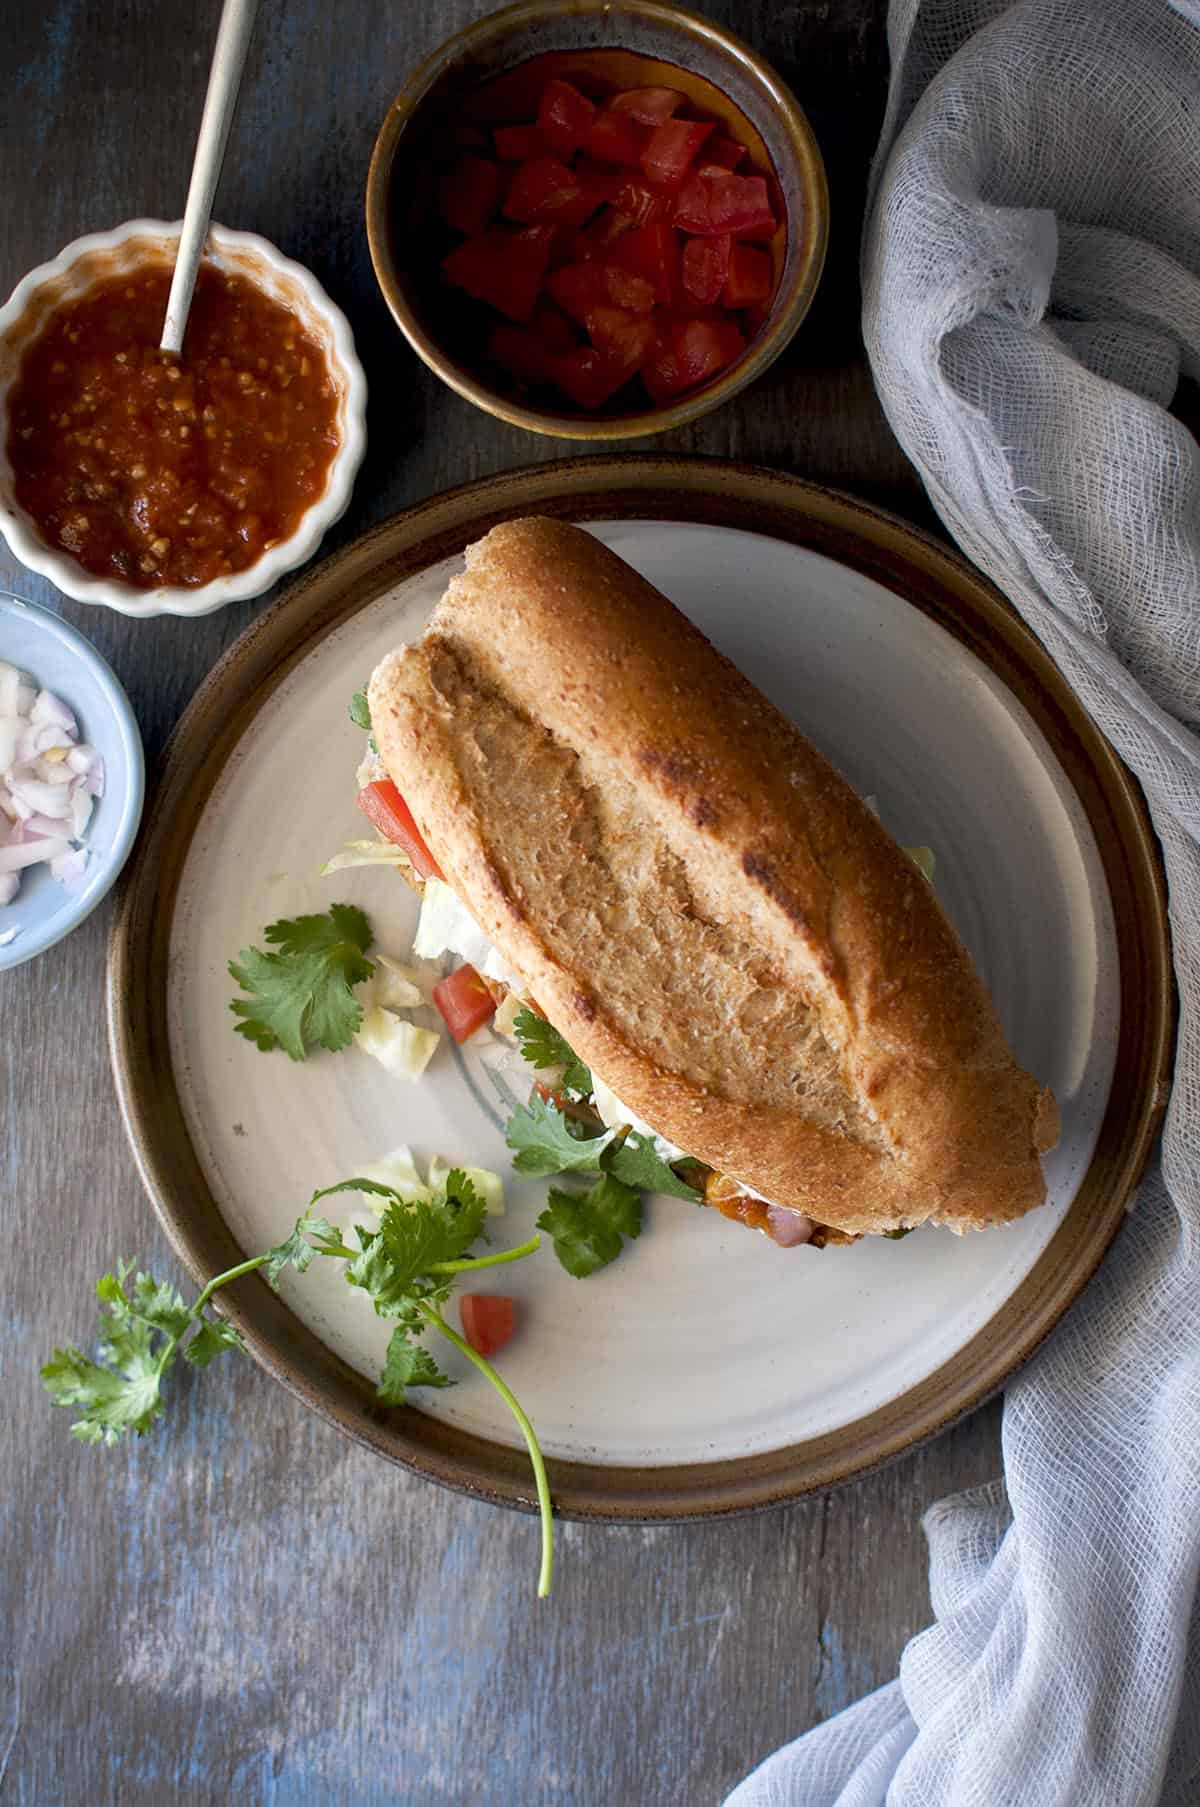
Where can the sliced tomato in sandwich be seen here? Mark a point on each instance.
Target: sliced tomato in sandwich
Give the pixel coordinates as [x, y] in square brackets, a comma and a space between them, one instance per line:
[382, 803]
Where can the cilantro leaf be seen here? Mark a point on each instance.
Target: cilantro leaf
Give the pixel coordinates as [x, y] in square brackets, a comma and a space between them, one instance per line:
[544, 1143]
[311, 1236]
[158, 1302]
[587, 1228]
[638, 1163]
[407, 1365]
[112, 1401]
[122, 1391]
[360, 715]
[302, 995]
[397, 1263]
[542, 1046]
[214, 1336]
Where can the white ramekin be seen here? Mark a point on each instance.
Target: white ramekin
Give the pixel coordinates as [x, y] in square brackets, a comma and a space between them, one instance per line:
[104, 254]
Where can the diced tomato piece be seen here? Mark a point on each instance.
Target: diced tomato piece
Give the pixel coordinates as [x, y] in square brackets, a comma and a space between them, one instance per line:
[565, 116]
[649, 106]
[591, 377]
[631, 336]
[651, 252]
[576, 288]
[692, 352]
[616, 137]
[756, 316]
[599, 238]
[750, 277]
[468, 192]
[706, 266]
[645, 204]
[505, 269]
[518, 143]
[599, 178]
[523, 353]
[720, 153]
[488, 1321]
[386, 808]
[691, 211]
[552, 328]
[468, 137]
[671, 150]
[464, 1001]
[544, 189]
[741, 205]
[624, 289]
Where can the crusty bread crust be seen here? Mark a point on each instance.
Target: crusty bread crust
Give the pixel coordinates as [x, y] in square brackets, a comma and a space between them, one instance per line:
[705, 909]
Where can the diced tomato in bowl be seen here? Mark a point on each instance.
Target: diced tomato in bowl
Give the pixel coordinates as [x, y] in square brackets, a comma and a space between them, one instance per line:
[672, 149]
[505, 269]
[565, 116]
[692, 352]
[623, 217]
[649, 106]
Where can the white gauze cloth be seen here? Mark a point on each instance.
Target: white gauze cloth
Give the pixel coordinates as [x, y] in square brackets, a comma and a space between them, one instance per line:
[1031, 271]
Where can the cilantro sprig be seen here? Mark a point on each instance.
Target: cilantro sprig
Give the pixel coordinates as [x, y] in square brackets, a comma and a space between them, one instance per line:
[407, 1267]
[588, 1228]
[543, 1047]
[301, 995]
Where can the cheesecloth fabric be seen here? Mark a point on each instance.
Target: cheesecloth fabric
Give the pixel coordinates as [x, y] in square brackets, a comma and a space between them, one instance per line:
[1031, 272]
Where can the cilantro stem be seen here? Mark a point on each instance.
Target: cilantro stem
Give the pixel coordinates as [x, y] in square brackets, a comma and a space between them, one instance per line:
[196, 1314]
[470, 1263]
[531, 1443]
[232, 1273]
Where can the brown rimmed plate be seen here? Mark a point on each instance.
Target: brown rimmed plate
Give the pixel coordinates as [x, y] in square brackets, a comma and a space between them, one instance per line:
[705, 1371]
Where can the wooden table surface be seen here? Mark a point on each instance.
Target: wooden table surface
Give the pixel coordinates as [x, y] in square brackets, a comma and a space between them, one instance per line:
[244, 1607]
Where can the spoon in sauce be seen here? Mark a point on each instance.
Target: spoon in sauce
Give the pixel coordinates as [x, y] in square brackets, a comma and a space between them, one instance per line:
[224, 80]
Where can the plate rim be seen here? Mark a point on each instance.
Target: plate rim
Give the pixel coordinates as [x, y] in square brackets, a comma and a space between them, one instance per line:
[923, 572]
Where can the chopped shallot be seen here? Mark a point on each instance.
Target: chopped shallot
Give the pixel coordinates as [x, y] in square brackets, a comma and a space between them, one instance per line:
[788, 1228]
[49, 781]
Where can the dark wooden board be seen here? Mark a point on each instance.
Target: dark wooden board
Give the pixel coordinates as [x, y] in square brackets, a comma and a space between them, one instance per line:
[244, 1607]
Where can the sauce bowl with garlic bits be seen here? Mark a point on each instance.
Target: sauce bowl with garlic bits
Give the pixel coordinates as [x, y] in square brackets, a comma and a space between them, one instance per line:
[163, 485]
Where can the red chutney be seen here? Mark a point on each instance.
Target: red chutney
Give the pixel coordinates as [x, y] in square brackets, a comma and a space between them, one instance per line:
[158, 470]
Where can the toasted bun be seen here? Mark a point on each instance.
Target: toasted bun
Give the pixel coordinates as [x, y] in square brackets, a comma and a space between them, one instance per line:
[716, 922]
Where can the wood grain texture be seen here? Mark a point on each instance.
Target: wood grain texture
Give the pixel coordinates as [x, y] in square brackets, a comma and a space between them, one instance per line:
[245, 1607]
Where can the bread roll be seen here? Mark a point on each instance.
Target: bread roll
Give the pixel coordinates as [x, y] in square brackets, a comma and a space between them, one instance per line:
[705, 909]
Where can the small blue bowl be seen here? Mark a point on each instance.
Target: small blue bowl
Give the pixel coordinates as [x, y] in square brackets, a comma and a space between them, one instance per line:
[58, 658]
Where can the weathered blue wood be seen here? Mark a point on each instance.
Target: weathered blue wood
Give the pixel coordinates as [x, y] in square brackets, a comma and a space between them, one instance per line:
[245, 1607]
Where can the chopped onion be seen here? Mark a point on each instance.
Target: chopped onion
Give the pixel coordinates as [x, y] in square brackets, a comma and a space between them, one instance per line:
[49, 781]
[788, 1228]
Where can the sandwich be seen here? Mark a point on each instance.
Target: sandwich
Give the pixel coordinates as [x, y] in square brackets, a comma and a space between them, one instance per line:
[758, 978]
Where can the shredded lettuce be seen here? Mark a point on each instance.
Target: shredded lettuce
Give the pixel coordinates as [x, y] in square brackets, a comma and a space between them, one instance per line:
[615, 1114]
[445, 927]
[508, 1012]
[400, 1046]
[924, 859]
[399, 1170]
[489, 1185]
[366, 853]
[395, 985]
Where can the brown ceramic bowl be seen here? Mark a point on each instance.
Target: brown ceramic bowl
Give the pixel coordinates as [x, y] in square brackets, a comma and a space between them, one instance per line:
[602, 44]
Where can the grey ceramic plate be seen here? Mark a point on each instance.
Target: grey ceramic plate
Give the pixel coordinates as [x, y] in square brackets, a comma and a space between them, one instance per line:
[706, 1371]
